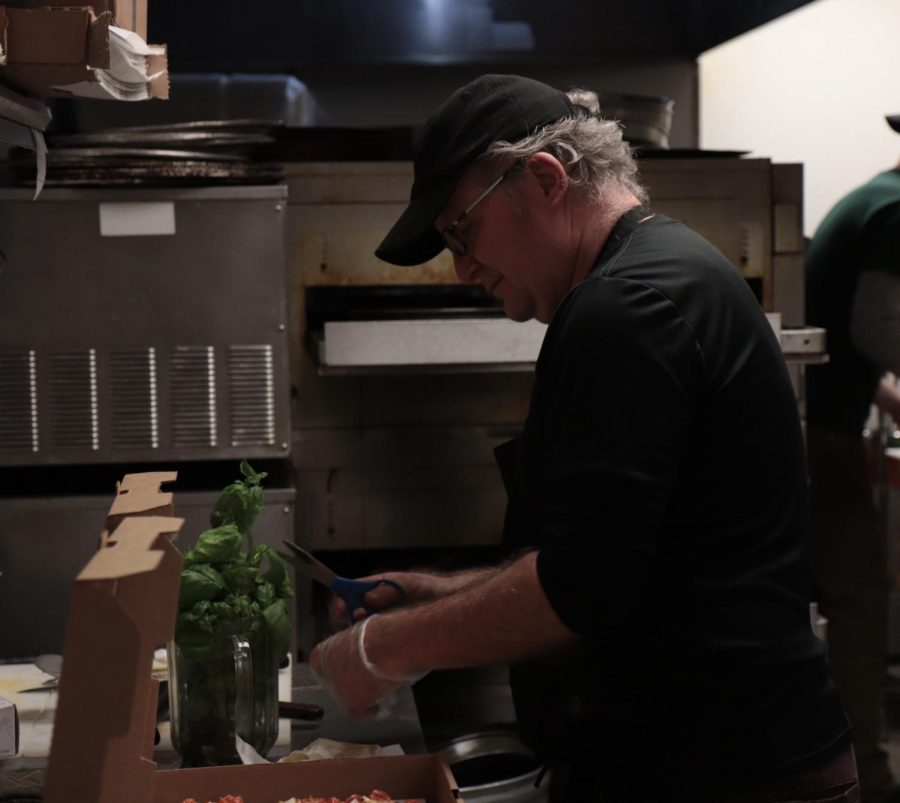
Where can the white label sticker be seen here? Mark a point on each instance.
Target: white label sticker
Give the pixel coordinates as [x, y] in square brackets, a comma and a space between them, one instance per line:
[137, 219]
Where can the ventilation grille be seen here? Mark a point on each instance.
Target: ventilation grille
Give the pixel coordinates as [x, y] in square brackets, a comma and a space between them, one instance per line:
[251, 395]
[18, 403]
[141, 402]
[193, 391]
[74, 418]
[133, 392]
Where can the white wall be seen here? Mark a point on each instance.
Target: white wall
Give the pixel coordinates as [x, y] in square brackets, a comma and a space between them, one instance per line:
[812, 87]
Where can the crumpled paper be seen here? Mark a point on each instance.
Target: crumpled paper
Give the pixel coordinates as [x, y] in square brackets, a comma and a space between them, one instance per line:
[329, 748]
[318, 750]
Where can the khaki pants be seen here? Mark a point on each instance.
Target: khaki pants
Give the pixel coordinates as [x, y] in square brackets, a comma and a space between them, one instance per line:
[850, 583]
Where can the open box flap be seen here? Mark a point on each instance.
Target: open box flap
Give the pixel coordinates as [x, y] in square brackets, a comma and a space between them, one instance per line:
[123, 607]
[141, 495]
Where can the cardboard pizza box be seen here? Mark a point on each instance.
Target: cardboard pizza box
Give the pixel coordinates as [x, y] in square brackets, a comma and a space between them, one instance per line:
[123, 607]
[423, 777]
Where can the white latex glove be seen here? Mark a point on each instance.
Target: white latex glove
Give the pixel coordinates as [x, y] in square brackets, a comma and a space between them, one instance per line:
[354, 682]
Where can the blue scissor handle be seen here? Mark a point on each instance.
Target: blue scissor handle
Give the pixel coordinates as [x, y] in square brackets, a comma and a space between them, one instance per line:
[353, 593]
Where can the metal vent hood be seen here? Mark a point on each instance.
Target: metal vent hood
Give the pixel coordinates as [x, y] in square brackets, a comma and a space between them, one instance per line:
[288, 35]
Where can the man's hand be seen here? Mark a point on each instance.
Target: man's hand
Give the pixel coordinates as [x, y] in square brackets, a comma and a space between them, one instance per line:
[378, 599]
[339, 664]
[419, 587]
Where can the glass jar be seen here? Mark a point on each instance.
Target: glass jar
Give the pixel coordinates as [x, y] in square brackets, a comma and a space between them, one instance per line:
[220, 688]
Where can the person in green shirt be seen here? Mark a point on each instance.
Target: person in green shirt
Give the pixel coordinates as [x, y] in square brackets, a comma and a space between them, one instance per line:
[853, 290]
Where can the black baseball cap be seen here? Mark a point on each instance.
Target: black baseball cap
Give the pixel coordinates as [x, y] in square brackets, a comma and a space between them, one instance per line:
[489, 109]
[894, 121]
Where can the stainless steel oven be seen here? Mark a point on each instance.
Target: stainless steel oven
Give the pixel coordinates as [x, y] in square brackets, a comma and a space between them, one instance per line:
[143, 325]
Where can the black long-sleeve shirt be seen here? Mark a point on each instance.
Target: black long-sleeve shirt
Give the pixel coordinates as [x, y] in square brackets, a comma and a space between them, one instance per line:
[661, 474]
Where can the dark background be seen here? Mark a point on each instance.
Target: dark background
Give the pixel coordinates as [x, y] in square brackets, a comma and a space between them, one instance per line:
[290, 35]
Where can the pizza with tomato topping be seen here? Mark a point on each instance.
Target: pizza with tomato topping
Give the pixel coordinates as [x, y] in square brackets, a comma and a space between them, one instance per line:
[375, 796]
[223, 799]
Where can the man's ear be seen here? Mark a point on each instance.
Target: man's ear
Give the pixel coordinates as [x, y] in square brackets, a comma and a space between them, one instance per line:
[550, 174]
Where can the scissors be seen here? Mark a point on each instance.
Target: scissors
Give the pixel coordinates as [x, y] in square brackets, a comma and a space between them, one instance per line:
[351, 591]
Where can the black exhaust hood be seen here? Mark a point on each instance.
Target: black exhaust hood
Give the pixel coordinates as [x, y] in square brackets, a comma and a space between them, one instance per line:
[288, 35]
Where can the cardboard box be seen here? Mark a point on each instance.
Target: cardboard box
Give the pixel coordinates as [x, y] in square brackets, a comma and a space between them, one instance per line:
[53, 46]
[128, 14]
[141, 495]
[73, 37]
[123, 606]
[59, 51]
[403, 777]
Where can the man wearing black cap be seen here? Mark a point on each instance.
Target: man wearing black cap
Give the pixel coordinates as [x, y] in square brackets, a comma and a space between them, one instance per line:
[853, 290]
[654, 610]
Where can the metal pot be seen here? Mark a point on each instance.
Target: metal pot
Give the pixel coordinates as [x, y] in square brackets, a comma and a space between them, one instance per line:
[646, 119]
[495, 767]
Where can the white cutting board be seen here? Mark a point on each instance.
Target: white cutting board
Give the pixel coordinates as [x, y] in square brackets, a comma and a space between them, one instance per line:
[36, 709]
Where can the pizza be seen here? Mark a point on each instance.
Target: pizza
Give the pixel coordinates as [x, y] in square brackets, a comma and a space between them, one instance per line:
[223, 799]
[375, 796]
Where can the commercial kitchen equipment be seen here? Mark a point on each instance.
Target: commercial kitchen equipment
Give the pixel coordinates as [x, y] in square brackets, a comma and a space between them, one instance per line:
[398, 453]
[47, 533]
[142, 325]
[405, 381]
[139, 328]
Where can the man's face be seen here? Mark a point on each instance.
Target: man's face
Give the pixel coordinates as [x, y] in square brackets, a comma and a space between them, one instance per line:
[508, 246]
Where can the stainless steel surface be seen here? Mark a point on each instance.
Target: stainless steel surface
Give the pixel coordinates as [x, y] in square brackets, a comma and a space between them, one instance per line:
[143, 348]
[489, 743]
[505, 771]
[46, 541]
[91, 156]
[309, 565]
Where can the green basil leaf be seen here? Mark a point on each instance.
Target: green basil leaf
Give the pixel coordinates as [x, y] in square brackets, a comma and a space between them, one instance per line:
[218, 545]
[240, 579]
[223, 583]
[199, 582]
[279, 627]
[252, 477]
[276, 574]
[265, 593]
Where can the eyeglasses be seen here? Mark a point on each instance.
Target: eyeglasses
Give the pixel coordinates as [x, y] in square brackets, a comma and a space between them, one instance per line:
[452, 240]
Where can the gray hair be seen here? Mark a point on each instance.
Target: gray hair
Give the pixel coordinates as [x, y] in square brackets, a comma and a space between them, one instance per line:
[592, 150]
